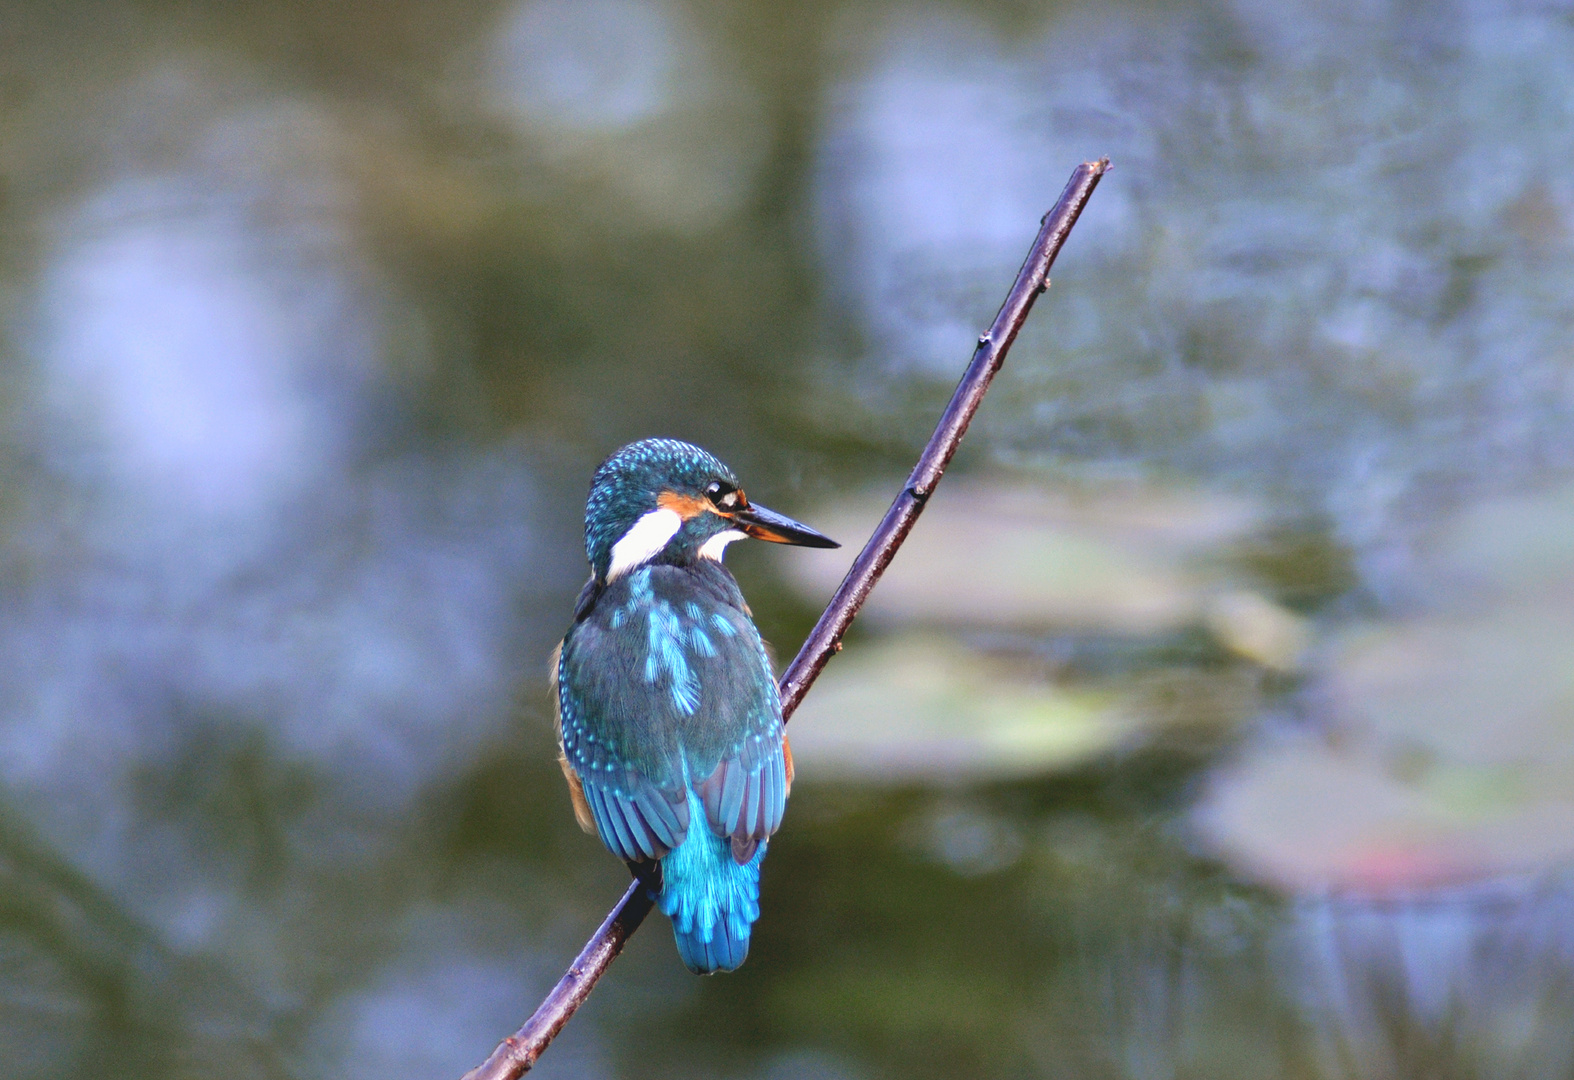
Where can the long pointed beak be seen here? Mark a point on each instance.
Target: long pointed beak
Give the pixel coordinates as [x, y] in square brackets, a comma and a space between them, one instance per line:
[763, 524]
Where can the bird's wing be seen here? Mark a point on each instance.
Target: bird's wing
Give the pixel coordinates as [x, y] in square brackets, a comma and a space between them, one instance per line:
[735, 749]
[663, 685]
[576, 790]
[628, 776]
[745, 796]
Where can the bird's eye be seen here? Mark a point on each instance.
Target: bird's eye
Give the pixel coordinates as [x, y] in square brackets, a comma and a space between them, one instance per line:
[723, 496]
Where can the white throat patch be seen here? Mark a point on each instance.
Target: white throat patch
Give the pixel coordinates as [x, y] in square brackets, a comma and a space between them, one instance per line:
[716, 546]
[644, 541]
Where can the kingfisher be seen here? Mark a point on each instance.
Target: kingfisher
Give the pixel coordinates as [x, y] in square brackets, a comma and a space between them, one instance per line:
[668, 718]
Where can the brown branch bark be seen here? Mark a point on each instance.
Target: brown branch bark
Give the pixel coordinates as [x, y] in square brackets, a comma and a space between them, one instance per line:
[517, 1053]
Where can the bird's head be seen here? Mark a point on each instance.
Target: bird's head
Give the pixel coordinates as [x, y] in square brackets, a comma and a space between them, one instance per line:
[662, 500]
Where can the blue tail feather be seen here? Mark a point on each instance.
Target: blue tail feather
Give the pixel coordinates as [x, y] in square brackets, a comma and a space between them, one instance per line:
[711, 900]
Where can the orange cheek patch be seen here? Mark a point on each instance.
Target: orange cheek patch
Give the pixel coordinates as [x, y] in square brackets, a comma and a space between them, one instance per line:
[685, 506]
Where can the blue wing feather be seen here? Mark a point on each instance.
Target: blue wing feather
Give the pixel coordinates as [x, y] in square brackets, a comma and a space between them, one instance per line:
[609, 822]
[663, 686]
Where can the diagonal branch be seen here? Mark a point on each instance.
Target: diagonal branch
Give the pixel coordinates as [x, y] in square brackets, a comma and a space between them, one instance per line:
[517, 1053]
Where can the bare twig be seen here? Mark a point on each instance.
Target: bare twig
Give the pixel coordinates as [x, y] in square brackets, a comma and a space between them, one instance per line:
[516, 1054]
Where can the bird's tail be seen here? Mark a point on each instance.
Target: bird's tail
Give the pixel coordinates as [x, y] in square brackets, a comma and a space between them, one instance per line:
[711, 900]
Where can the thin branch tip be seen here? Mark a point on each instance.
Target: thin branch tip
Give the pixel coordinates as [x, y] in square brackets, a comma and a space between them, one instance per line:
[516, 1054]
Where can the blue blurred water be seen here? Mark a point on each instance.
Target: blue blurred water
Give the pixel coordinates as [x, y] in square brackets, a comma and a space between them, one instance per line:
[314, 320]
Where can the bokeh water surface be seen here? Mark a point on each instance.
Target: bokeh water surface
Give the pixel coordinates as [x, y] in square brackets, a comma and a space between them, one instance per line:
[1217, 721]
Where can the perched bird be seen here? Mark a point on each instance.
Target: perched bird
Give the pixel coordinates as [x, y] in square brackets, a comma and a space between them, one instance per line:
[669, 724]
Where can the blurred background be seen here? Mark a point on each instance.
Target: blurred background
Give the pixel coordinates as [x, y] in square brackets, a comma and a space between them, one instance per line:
[1217, 721]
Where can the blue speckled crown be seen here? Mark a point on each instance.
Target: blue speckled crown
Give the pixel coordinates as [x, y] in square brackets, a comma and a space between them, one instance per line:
[625, 487]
